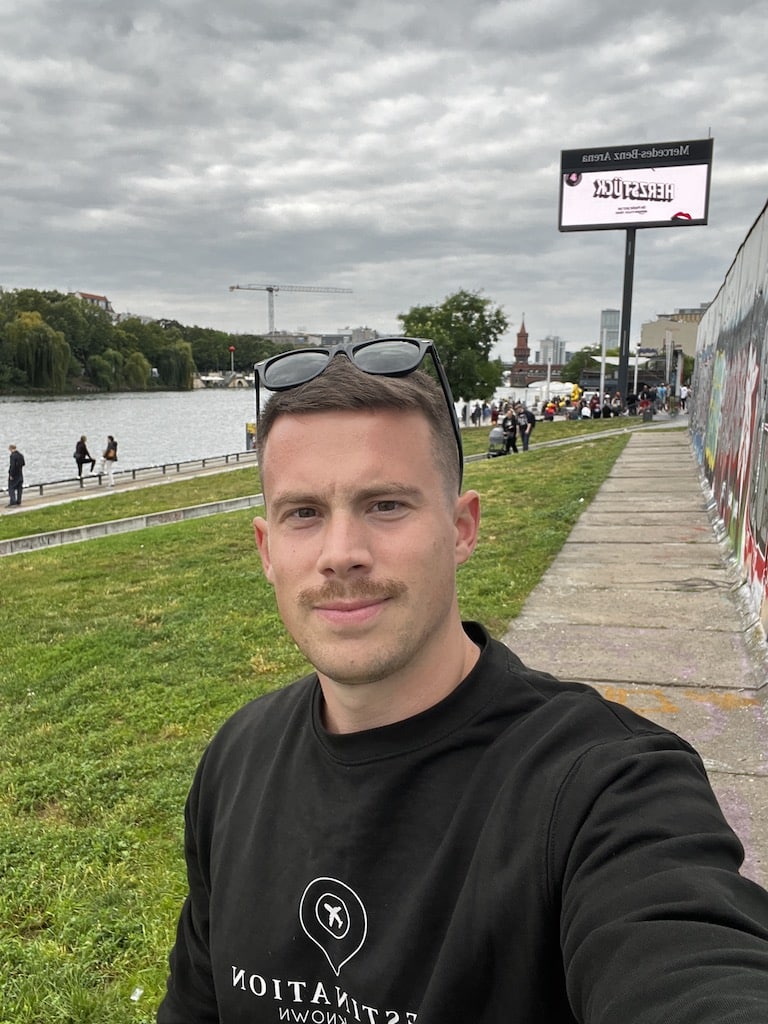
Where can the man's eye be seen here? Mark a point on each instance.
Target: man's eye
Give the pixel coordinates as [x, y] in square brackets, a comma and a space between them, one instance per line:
[387, 506]
[303, 513]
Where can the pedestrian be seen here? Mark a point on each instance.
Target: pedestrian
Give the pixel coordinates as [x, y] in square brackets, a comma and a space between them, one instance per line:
[526, 421]
[82, 455]
[15, 476]
[509, 426]
[683, 396]
[109, 458]
[423, 828]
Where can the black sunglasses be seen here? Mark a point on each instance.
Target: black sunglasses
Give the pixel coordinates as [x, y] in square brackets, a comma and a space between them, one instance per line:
[387, 357]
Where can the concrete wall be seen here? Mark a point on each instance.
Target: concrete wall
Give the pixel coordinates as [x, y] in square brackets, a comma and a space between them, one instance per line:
[729, 415]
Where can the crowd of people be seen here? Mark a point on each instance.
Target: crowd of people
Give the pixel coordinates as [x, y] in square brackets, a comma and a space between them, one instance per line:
[82, 457]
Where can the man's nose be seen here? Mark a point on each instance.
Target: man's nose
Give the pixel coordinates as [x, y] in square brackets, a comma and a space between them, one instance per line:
[345, 546]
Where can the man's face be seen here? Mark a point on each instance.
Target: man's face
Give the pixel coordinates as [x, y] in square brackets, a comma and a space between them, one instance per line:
[361, 542]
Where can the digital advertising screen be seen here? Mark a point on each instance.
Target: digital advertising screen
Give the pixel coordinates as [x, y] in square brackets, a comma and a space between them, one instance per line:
[661, 184]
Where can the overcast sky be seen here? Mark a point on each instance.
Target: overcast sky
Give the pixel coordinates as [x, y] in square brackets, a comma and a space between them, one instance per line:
[158, 152]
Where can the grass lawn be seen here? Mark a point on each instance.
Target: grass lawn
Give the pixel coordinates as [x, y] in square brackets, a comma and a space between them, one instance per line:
[121, 656]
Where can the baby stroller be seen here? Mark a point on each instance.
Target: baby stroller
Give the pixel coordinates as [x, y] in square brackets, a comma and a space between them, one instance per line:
[496, 443]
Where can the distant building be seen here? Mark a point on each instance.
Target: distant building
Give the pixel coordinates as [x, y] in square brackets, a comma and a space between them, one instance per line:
[120, 317]
[522, 372]
[96, 300]
[551, 350]
[679, 329]
[610, 320]
[301, 338]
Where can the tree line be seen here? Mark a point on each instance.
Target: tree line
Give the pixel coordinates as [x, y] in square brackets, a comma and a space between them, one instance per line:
[57, 343]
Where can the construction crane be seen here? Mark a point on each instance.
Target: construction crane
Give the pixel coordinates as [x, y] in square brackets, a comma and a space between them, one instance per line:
[270, 289]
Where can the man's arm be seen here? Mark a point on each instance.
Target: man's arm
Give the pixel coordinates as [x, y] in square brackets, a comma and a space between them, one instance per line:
[190, 996]
[657, 925]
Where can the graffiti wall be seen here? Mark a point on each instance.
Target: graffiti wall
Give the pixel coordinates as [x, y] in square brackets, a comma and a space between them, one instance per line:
[729, 412]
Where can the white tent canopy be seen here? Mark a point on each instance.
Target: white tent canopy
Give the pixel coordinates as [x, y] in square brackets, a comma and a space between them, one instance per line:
[614, 360]
[555, 386]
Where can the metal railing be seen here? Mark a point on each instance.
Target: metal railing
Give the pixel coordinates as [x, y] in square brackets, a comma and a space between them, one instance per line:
[91, 481]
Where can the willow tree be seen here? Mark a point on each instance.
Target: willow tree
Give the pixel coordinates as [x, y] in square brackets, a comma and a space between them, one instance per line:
[136, 372]
[39, 351]
[176, 365]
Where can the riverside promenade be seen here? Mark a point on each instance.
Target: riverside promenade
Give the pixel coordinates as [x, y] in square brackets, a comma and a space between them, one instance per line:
[643, 604]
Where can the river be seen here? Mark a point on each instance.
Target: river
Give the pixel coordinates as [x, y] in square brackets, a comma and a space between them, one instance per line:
[150, 428]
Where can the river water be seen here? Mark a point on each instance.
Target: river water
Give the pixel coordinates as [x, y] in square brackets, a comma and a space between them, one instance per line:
[150, 429]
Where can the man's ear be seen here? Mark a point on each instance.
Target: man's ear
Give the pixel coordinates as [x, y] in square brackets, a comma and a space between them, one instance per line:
[467, 520]
[261, 533]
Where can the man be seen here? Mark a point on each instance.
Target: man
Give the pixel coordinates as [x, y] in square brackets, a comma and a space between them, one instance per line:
[424, 829]
[526, 421]
[15, 476]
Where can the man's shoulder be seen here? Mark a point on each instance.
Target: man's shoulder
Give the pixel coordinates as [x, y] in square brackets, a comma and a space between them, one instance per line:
[268, 715]
[576, 711]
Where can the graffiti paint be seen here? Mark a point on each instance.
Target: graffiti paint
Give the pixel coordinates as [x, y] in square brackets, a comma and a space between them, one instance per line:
[729, 414]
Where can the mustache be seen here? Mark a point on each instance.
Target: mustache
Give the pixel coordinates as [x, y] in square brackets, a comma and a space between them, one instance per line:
[352, 590]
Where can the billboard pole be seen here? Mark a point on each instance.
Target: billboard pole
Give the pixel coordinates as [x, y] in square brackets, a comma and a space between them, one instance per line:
[626, 314]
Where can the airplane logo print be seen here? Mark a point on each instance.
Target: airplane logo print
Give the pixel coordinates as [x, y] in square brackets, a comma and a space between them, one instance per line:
[334, 918]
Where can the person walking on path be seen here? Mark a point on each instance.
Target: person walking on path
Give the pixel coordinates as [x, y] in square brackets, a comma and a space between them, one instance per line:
[82, 455]
[509, 426]
[15, 476]
[109, 458]
[526, 421]
[423, 827]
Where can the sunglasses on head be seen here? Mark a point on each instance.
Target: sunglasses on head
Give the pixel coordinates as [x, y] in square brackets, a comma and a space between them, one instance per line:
[386, 357]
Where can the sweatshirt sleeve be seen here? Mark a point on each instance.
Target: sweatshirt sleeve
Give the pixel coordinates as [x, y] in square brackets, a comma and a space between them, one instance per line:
[657, 924]
[190, 997]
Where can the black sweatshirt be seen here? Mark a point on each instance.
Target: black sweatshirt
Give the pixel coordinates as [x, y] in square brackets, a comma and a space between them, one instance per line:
[524, 852]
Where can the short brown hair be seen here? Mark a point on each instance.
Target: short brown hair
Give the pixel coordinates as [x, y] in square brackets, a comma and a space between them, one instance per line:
[342, 387]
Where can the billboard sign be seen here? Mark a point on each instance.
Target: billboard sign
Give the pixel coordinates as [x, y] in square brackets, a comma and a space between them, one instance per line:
[663, 184]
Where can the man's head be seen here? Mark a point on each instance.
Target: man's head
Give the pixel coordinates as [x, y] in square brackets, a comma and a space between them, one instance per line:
[363, 533]
[342, 387]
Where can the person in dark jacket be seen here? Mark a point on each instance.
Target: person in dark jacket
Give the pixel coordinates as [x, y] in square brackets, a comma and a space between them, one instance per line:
[82, 455]
[526, 421]
[423, 828]
[15, 476]
[509, 426]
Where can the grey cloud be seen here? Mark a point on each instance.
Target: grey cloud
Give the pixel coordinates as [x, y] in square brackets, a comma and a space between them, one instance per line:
[161, 151]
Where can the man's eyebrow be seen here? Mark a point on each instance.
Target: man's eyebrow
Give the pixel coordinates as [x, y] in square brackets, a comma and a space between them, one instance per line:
[383, 489]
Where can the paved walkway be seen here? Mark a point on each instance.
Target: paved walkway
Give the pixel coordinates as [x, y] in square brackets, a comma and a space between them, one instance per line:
[643, 604]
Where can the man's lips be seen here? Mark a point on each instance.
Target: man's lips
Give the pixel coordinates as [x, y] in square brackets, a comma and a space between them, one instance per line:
[351, 611]
[335, 597]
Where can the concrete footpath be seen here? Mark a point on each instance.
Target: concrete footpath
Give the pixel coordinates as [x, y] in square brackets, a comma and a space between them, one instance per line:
[643, 604]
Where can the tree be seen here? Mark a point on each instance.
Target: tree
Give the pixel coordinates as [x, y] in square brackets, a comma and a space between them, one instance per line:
[579, 362]
[176, 365]
[38, 351]
[465, 328]
[136, 372]
[106, 370]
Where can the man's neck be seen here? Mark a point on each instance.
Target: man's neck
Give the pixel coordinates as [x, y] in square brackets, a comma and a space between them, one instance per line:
[349, 708]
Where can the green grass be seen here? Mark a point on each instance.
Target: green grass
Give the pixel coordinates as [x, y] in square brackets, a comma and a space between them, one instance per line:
[236, 483]
[121, 657]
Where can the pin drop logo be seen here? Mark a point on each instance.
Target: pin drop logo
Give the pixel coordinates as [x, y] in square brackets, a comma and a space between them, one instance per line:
[334, 918]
